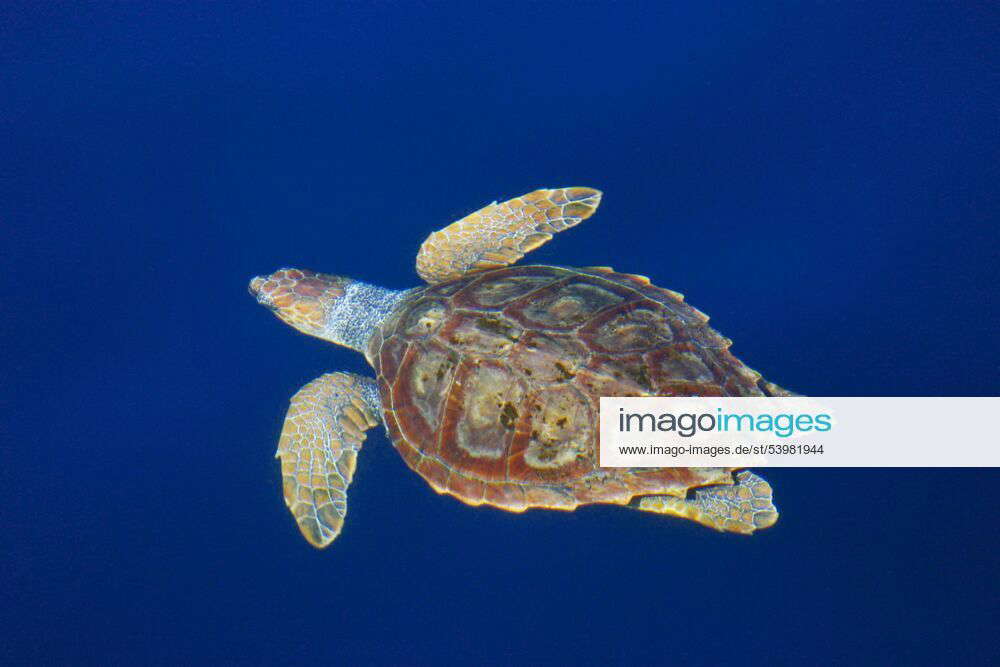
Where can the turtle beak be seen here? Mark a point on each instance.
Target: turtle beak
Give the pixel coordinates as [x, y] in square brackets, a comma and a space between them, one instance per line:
[256, 288]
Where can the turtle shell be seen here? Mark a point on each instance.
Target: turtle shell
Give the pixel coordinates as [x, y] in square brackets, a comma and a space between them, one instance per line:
[490, 383]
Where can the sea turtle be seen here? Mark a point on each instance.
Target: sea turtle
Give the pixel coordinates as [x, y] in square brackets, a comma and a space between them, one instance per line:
[488, 377]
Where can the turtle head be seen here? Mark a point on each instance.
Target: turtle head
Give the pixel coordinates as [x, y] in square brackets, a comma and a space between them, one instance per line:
[304, 299]
[337, 309]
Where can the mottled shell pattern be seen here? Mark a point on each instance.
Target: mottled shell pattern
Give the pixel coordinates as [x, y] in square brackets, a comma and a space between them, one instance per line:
[490, 383]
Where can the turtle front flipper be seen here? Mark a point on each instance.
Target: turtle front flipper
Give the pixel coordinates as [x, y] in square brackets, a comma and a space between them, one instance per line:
[742, 507]
[501, 234]
[323, 432]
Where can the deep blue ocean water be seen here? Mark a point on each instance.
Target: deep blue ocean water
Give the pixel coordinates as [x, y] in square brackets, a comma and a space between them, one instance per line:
[821, 178]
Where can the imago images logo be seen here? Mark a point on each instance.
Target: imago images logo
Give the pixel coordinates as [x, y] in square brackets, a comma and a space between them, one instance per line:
[688, 424]
[691, 431]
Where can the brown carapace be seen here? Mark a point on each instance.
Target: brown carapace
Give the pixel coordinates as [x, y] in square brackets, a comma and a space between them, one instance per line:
[488, 379]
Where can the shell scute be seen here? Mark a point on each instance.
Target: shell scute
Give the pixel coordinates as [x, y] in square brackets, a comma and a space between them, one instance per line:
[488, 334]
[489, 295]
[390, 356]
[489, 292]
[676, 363]
[562, 431]
[506, 496]
[469, 489]
[425, 318]
[549, 357]
[434, 471]
[635, 326]
[565, 305]
[550, 497]
[425, 381]
[477, 426]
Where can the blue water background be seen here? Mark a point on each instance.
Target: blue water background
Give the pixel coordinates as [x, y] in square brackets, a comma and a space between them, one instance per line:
[821, 178]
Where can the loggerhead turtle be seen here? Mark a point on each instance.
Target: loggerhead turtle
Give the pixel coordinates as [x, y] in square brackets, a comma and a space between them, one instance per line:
[488, 377]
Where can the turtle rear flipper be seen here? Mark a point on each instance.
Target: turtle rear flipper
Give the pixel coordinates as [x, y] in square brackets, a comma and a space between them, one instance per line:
[500, 234]
[323, 432]
[742, 507]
